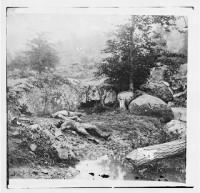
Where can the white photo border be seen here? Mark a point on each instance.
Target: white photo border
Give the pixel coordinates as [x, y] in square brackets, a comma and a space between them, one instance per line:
[127, 7]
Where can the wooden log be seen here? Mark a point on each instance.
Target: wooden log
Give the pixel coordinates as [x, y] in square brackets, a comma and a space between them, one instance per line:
[147, 154]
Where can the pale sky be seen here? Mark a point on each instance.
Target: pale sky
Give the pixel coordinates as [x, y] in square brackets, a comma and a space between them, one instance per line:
[71, 30]
[22, 27]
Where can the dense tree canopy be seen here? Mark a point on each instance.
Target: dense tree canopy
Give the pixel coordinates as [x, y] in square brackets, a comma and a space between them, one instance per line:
[149, 45]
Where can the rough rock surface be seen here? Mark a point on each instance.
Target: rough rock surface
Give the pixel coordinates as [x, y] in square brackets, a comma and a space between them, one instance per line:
[180, 113]
[110, 97]
[43, 100]
[151, 106]
[175, 127]
[101, 92]
[159, 89]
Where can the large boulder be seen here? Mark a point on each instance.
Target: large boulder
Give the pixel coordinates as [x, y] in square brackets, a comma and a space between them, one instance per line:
[45, 99]
[148, 105]
[98, 92]
[124, 98]
[93, 93]
[159, 89]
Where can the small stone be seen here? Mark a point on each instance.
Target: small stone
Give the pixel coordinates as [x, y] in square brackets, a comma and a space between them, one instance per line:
[33, 147]
[34, 128]
[73, 132]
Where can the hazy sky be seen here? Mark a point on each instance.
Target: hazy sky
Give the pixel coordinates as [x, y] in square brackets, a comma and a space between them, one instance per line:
[69, 31]
[22, 27]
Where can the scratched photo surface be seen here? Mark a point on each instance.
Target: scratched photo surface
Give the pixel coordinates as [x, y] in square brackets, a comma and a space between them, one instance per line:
[96, 97]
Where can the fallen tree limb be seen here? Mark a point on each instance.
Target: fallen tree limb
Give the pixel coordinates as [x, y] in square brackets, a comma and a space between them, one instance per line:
[147, 154]
[179, 94]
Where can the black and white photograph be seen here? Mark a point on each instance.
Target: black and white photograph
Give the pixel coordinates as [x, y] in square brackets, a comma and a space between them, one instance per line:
[96, 97]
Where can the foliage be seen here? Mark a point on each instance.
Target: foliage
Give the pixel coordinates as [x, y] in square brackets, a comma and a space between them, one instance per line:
[173, 61]
[19, 62]
[42, 56]
[149, 45]
[19, 65]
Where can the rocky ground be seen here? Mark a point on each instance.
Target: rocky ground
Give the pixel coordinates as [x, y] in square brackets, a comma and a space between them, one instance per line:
[30, 153]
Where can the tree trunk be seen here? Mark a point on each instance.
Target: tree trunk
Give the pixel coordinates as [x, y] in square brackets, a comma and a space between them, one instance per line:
[102, 96]
[145, 155]
[45, 102]
[132, 48]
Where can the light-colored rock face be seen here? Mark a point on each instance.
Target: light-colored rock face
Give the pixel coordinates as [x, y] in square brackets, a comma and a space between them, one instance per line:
[110, 97]
[148, 99]
[124, 98]
[147, 105]
[93, 93]
[66, 97]
[159, 89]
[98, 93]
[33, 147]
[41, 100]
[175, 127]
[180, 113]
